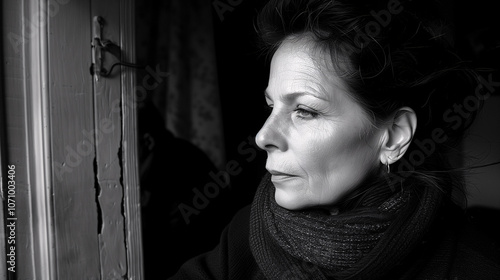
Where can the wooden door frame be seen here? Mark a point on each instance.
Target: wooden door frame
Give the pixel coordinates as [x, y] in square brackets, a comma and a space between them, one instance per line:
[27, 19]
[130, 145]
[25, 51]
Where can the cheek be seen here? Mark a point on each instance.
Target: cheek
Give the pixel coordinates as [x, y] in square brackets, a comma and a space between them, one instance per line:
[319, 153]
[336, 159]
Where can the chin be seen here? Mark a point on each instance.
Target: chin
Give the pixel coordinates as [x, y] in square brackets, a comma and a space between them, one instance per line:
[290, 201]
[293, 201]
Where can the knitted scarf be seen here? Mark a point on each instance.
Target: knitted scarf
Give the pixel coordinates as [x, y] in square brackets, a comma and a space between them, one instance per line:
[364, 243]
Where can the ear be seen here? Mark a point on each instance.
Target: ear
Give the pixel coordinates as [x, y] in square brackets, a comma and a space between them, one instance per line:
[399, 131]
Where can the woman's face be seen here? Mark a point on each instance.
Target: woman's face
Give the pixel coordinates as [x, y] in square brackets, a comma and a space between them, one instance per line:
[320, 143]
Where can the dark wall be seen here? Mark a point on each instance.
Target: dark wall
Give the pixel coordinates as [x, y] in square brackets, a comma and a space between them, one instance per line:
[243, 78]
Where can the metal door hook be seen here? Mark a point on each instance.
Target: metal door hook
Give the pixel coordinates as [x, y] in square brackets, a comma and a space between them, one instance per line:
[99, 46]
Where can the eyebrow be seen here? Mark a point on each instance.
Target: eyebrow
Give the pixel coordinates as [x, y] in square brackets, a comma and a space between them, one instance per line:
[294, 95]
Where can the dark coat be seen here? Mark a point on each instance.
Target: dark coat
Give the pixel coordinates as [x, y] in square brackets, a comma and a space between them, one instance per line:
[461, 253]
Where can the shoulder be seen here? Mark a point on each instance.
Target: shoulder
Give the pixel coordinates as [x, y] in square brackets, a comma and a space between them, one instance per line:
[231, 259]
[238, 232]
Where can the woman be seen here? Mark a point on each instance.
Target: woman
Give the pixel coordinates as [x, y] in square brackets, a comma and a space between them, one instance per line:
[359, 142]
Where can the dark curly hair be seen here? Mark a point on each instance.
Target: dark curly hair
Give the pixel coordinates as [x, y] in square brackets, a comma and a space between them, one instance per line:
[399, 53]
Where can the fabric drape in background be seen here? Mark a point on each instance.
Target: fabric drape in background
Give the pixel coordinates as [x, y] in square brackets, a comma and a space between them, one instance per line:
[177, 37]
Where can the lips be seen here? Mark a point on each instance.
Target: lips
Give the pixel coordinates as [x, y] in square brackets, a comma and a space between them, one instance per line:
[278, 176]
[278, 173]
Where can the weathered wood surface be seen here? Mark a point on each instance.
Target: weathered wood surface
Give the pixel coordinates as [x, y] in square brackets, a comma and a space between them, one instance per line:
[72, 140]
[73, 137]
[109, 150]
[14, 97]
[130, 144]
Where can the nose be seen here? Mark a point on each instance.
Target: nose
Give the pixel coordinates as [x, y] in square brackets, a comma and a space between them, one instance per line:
[272, 135]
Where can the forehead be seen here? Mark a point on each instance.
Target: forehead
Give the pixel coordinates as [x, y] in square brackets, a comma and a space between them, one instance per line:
[298, 65]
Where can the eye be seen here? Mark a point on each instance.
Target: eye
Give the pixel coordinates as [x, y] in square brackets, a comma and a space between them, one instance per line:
[305, 113]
